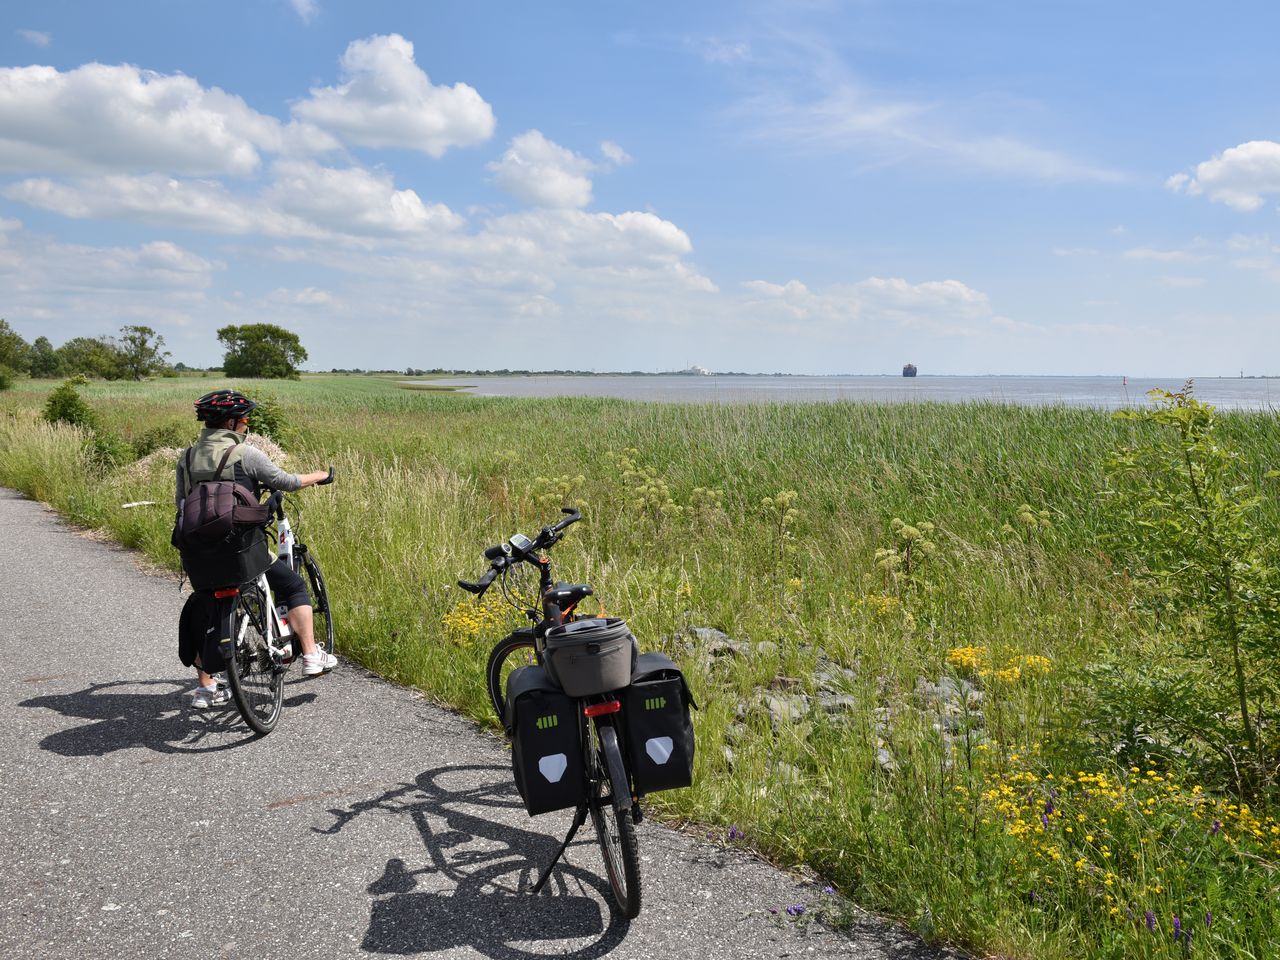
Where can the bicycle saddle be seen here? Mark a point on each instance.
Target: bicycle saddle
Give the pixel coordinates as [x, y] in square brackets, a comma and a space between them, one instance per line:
[565, 594]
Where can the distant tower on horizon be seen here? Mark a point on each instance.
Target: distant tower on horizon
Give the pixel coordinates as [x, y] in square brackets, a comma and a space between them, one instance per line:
[909, 370]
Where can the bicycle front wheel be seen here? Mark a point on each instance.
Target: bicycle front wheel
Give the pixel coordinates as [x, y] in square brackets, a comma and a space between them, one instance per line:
[514, 650]
[320, 609]
[609, 802]
[256, 680]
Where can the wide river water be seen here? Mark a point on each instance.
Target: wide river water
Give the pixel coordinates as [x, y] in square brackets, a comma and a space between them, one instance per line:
[1103, 392]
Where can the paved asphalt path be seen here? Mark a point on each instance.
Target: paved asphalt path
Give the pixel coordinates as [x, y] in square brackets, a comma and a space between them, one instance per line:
[370, 822]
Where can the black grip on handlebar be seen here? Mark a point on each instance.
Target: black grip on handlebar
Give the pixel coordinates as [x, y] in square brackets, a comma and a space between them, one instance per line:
[482, 585]
[327, 480]
[574, 515]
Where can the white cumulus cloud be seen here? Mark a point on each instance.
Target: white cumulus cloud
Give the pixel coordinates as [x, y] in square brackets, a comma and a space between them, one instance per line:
[115, 119]
[614, 153]
[386, 100]
[305, 9]
[1161, 256]
[305, 297]
[353, 200]
[304, 200]
[938, 307]
[543, 173]
[1240, 177]
[153, 199]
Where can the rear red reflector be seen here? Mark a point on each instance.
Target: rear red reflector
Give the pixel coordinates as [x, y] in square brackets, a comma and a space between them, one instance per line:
[228, 592]
[600, 709]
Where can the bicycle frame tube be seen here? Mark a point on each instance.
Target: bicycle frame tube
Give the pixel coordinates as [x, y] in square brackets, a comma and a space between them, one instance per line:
[284, 540]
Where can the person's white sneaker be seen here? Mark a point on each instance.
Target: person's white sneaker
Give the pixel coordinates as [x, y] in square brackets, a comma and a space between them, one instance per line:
[314, 664]
[206, 697]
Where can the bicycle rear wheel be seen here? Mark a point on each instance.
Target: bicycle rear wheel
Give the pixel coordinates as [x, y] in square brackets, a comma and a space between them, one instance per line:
[320, 609]
[256, 680]
[609, 802]
[512, 651]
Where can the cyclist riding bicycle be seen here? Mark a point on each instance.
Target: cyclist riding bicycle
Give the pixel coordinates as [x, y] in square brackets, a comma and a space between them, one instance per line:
[225, 414]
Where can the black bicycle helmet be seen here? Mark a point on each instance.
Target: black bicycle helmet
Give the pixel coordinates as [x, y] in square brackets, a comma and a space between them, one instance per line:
[221, 405]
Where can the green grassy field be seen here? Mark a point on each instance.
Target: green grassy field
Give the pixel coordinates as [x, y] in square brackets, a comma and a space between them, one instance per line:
[996, 818]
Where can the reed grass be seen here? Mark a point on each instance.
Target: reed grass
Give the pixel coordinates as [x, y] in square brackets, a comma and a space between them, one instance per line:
[929, 816]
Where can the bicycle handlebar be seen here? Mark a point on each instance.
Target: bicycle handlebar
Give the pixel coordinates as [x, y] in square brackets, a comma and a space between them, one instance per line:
[504, 555]
[482, 584]
[275, 502]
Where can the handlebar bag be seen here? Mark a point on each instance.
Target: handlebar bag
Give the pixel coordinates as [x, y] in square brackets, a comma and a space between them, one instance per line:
[655, 710]
[590, 656]
[546, 752]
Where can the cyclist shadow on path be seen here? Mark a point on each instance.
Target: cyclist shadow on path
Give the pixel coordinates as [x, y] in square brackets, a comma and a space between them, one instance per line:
[488, 867]
[153, 714]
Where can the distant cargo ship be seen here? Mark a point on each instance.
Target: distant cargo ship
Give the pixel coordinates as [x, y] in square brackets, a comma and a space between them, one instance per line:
[909, 370]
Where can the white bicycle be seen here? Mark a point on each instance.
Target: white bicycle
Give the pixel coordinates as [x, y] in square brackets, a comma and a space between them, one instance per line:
[257, 642]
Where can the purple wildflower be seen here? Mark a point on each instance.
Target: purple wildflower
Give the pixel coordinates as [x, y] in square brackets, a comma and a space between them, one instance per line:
[1044, 820]
[1208, 918]
[1177, 928]
[735, 833]
[1151, 921]
[1213, 830]
[828, 890]
[795, 910]
[1048, 806]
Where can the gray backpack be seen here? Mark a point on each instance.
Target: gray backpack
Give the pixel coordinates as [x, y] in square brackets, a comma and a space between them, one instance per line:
[214, 509]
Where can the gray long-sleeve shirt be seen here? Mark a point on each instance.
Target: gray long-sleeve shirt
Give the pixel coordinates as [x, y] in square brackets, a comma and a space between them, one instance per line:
[257, 466]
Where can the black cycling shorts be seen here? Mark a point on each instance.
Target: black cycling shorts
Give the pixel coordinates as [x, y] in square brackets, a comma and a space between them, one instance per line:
[286, 586]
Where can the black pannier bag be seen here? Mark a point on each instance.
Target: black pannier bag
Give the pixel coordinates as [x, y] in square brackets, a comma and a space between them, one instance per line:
[659, 729]
[546, 753]
[590, 656]
[199, 633]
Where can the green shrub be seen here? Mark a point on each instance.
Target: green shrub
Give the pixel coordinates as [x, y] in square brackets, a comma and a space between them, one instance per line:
[65, 405]
[107, 449]
[171, 433]
[6, 377]
[267, 417]
[1209, 576]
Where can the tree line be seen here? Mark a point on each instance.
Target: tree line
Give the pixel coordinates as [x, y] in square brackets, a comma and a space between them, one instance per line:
[138, 352]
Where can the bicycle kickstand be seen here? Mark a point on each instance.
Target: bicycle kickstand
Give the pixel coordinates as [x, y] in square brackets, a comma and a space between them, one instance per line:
[579, 819]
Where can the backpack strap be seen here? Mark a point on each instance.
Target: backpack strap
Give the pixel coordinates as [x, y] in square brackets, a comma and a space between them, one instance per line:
[187, 483]
[217, 474]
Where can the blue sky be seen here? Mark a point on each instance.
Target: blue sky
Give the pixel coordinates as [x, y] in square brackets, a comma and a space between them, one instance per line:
[806, 187]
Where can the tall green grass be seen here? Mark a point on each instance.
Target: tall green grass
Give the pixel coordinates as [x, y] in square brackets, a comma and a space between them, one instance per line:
[943, 836]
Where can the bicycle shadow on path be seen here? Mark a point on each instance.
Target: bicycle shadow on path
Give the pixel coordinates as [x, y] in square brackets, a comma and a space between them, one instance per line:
[153, 714]
[488, 868]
